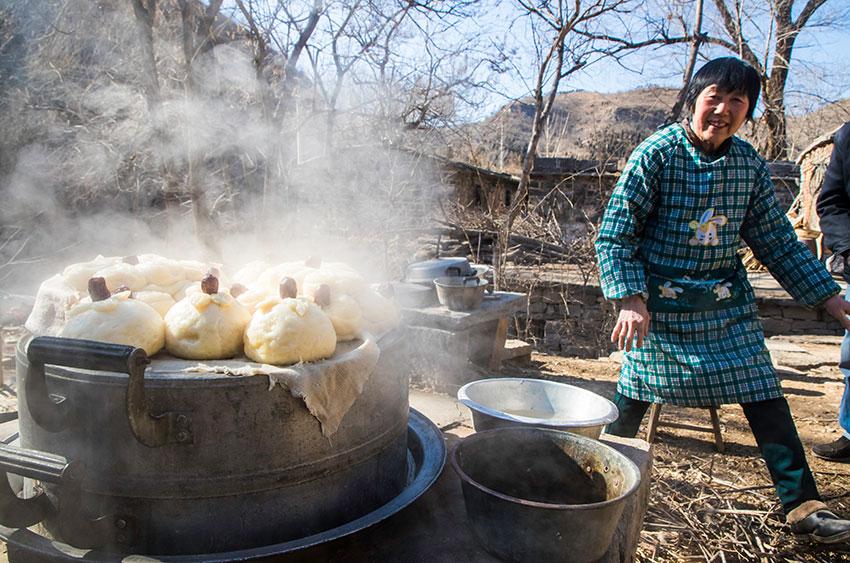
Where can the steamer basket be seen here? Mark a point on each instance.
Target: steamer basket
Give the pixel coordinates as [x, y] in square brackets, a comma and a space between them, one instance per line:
[176, 464]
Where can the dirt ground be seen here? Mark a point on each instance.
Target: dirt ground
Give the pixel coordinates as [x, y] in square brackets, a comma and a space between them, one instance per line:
[707, 506]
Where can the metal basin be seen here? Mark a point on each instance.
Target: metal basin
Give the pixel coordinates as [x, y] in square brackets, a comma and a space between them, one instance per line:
[461, 293]
[535, 494]
[515, 401]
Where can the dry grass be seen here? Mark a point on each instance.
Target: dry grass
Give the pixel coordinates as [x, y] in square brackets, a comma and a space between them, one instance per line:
[721, 507]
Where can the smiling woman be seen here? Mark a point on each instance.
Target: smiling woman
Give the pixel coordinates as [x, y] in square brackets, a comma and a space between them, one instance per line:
[667, 249]
[721, 97]
[717, 116]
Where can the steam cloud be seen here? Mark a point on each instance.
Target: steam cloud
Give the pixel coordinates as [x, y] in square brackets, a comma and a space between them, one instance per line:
[93, 167]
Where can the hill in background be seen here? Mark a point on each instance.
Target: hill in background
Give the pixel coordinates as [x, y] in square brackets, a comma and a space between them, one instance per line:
[590, 125]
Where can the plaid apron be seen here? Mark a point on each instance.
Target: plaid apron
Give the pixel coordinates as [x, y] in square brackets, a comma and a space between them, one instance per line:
[671, 231]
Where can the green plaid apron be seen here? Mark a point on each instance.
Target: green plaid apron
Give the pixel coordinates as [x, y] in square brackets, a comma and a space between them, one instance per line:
[671, 231]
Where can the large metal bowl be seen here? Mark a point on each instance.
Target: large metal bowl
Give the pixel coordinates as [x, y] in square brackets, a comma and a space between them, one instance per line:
[516, 401]
[534, 494]
[461, 293]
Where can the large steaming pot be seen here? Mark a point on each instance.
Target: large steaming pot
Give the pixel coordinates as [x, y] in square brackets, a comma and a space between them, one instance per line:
[171, 464]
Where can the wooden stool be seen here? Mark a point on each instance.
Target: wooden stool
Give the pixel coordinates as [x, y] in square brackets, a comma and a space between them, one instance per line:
[655, 423]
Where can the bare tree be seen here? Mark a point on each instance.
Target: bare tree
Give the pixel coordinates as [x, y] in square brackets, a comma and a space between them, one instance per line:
[198, 38]
[280, 34]
[696, 40]
[145, 12]
[565, 34]
[761, 33]
[783, 30]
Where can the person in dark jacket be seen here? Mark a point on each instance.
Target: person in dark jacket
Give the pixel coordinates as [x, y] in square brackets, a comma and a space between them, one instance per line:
[833, 207]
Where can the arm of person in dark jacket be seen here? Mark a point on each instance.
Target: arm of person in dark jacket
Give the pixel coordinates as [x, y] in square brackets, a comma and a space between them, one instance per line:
[833, 204]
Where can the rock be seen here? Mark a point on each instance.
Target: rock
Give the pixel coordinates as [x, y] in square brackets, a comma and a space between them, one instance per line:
[552, 335]
[615, 356]
[777, 345]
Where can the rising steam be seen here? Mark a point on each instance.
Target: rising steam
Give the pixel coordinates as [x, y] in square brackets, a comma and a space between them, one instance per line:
[93, 166]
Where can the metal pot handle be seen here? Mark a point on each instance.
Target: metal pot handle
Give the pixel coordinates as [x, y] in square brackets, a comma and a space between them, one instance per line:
[15, 512]
[55, 413]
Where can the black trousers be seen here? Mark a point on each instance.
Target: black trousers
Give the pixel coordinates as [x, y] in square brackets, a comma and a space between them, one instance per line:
[775, 434]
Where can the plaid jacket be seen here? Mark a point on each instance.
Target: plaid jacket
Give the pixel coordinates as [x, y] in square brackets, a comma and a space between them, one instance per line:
[671, 231]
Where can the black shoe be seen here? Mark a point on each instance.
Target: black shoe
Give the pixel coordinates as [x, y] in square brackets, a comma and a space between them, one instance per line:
[823, 527]
[838, 450]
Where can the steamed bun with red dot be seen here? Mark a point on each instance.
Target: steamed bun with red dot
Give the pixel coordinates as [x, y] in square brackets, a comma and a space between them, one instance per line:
[117, 319]
[288, 329]
[206, 324]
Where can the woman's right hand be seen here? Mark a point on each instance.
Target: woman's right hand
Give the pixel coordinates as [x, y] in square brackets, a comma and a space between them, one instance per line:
[633, 321]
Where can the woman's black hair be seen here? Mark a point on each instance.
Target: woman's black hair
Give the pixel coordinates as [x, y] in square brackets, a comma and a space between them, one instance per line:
[730, 74]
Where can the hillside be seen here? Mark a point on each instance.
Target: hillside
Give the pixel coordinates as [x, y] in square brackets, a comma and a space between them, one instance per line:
[582, 124]
[804, 129]
[606, 127]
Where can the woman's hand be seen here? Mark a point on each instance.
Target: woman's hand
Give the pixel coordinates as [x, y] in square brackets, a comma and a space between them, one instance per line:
[634, 321]
[839, 308]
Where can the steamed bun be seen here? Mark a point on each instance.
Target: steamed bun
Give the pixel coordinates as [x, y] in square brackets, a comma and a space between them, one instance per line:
[341, 278]
[160, 301]
[118, 320]
[380, 313]
[253, 297]
[160, 271]
[346, 317]
[78, 275]
[122, 274]
[205, 326]
[289, 330]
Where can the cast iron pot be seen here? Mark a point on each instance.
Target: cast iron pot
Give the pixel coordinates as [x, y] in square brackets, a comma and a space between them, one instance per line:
[536, 494]
[178, 464]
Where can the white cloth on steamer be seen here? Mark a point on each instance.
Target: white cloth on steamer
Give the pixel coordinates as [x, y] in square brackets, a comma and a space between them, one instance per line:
[328, 387]
[52, 303]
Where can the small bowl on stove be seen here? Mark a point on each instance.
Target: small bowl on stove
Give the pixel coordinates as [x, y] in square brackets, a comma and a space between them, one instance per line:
[461, 293]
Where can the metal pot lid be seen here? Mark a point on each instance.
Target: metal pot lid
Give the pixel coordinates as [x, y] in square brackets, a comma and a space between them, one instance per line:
[429, 270]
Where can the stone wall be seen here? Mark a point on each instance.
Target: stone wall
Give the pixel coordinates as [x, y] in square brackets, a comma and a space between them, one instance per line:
[573, 319]
[563, 318]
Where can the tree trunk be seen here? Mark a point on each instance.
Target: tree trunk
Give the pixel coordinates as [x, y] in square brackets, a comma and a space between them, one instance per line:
[676, 112]
[144, 25]
[202, 220]
[775, 145]
[542, 109]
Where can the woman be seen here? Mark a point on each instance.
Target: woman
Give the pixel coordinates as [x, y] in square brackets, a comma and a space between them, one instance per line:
[688, 323]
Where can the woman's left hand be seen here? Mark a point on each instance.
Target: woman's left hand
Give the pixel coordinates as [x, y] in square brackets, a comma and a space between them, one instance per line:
[839, 308]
